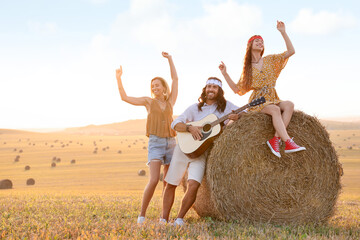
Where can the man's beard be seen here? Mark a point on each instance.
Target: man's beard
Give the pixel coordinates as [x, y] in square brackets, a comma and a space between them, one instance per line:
[213, 96]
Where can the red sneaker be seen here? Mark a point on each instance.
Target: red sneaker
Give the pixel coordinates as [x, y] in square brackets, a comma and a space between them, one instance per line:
[274, 145]
[291, 146]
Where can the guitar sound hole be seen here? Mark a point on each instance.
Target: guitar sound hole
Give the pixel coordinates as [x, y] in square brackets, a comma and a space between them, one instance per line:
[206, 127]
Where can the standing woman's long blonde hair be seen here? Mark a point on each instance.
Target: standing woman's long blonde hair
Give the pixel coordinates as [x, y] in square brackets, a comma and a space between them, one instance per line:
[165, 85]
[246, 75]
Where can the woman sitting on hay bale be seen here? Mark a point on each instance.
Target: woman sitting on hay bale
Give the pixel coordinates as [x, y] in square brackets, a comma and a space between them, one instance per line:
[260, 74]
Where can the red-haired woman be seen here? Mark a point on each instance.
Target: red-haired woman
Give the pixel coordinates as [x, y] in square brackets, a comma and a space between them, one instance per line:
[260, 74]
[158, 127]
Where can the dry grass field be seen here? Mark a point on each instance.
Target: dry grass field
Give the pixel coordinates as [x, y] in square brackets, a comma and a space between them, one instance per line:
[99, 196]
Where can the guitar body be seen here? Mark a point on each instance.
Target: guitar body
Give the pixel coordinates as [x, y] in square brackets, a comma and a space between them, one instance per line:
[194, 148]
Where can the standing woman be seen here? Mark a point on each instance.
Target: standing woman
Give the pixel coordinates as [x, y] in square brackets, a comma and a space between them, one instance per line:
[260, 74]
[158, 127]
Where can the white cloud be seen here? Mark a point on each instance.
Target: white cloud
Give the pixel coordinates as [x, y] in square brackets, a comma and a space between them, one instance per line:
[229, 19]
[152, 23]
[321, 23]
[43, 28]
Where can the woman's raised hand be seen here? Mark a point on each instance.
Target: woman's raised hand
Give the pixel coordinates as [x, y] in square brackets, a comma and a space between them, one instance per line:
[166, 55]
[119, 72]
[280, 26]
[222, 67]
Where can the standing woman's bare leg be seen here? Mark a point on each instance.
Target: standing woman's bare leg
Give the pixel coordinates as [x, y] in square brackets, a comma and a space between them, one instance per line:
[155, 166]
[166, 168]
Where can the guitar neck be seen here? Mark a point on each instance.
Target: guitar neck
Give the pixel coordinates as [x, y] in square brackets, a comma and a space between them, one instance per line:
[220, 120]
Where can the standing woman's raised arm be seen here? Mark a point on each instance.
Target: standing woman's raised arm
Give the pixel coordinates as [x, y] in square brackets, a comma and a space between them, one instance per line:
[290, 50]
[174, 77]
[140, 101]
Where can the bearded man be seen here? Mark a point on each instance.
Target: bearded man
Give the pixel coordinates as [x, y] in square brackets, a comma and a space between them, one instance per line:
[211, 101]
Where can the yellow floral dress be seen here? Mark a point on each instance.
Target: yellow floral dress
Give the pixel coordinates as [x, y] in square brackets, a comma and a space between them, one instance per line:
[264, 80]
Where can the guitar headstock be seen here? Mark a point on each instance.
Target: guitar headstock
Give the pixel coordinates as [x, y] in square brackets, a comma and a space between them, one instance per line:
[257, 102]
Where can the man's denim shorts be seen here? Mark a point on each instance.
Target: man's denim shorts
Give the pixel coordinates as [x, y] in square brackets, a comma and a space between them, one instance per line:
[161, 148]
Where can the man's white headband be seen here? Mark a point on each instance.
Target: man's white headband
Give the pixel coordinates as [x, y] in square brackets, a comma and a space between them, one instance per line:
[214, 81]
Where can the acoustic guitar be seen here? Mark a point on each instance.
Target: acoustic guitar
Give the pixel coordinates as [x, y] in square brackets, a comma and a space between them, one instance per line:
[210, 129]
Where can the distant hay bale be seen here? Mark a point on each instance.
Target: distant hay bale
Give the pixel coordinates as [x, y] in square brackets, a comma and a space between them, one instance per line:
[54, 158]
[6, 184]
[4, 142]
[30, 181]
[129, 146]
[349, 147]
[27, 168]
[119, 151]
[144, 147]
[141, 172]
[58, 160]
[73, 161]
[20, 151]
[245, 181]
[94, 152]
[52, 146]
[17, 158]
[53, 164]
[104, 149]
[15, 149]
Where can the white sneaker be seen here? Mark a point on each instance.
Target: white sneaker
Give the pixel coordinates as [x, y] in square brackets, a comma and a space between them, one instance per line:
[140, 220]
[162, 221]
[179, 222]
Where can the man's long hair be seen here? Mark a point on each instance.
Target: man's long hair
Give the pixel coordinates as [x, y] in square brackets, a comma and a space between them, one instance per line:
[245, 81]
[220, 99]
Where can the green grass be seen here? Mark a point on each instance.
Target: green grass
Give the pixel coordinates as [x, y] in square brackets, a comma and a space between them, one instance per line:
[99, 197]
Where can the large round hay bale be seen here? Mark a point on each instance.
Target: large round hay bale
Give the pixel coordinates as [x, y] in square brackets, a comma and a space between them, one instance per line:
[53, 164]
[73, 161]
[6, 184]
[247, 182]
[141, 172]
[30, 181]
[27, 167]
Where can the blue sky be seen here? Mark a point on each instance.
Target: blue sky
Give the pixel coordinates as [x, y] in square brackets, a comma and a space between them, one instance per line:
[58, 58]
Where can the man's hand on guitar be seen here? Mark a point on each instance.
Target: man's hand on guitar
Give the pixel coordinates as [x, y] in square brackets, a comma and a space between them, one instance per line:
[234, 116]
[195, 132]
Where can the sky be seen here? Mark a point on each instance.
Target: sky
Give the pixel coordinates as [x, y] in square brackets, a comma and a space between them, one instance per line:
[58, 58]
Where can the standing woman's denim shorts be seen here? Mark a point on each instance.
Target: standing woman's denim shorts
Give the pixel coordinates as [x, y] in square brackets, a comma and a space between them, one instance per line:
[161, 148]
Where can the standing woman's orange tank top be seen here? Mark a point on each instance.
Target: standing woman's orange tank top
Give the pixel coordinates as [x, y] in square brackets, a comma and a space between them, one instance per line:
[159, 121]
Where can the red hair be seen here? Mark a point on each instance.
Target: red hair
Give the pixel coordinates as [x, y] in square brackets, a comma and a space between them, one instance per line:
[245, 81]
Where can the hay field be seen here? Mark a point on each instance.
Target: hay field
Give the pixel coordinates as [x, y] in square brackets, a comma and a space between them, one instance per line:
[99, 196]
